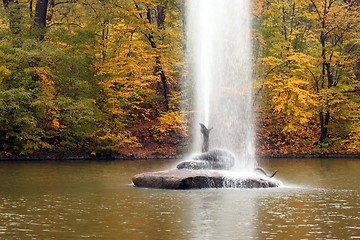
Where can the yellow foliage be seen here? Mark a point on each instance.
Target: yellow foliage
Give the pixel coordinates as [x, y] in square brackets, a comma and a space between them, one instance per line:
[56, 123]
[116, 137]
[4, 72]
[169, 123]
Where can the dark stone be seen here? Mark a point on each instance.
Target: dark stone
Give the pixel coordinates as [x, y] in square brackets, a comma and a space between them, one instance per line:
[213, 159]
[216, 155]
[202, 164]
[195, 179]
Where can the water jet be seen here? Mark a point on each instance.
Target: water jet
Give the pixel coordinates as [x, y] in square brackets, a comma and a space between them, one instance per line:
[219, 52]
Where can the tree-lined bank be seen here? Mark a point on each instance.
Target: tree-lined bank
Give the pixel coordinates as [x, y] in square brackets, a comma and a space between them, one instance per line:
[105, 76]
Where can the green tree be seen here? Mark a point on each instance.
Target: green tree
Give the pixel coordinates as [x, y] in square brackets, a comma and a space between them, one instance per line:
[48, 87]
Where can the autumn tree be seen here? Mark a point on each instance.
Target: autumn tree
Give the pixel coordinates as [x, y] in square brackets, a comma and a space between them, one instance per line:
[305, 54]
[147, 52]
[89, 75]
[336, 23]
[47, 88]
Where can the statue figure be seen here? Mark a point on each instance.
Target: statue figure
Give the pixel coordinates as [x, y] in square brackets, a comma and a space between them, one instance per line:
[205, 132]
[214, 159]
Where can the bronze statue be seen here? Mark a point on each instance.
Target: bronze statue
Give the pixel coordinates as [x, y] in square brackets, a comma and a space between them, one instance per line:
[216, 155]
[205, 132]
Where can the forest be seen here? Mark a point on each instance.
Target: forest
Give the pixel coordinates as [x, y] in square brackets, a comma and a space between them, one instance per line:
[101, 77]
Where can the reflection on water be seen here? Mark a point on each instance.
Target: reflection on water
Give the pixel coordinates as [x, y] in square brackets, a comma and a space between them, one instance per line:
[67, 200]
[312, 214]
[223, 214]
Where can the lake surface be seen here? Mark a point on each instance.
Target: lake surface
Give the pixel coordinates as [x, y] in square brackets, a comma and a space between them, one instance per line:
[319, 199]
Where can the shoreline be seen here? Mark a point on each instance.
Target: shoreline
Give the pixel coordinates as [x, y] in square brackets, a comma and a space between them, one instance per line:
[137, 156]
[307, 155]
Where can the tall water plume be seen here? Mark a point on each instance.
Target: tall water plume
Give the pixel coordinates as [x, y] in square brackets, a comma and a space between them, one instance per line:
[218, 33]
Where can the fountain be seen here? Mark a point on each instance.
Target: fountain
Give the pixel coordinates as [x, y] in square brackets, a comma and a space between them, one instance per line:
[219, 43]
[219, 49]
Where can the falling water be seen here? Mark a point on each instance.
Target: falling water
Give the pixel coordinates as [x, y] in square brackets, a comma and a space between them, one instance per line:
[219, 51]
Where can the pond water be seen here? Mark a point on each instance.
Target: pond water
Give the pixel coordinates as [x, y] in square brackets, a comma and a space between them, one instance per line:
[319, 199]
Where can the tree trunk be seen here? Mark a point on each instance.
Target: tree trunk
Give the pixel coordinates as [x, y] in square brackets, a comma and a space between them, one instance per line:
[325, 75]
[357, 70]
[104, 38]
[40, 19]
[324, 122]
[12, 8]
[158, 69]
[156, 15]
[160, 16]
[160, 72]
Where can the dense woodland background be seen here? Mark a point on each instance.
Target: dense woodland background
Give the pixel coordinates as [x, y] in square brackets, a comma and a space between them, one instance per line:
[102, 76]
